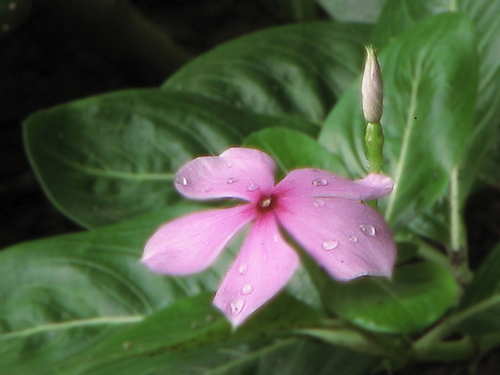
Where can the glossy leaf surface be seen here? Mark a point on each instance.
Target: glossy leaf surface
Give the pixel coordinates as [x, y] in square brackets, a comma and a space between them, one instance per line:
[429, 77]
[104, 159]
[295, 69]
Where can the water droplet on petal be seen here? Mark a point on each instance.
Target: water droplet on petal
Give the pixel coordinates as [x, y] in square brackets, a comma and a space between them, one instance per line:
[231, 180]
[330, 244]
[275, 238]
[368, 229]
[181, 181]
[252, 187]
[319, 203]
[236, 306]
[206, 189]
[247, 289]
[353, 239]
[229, 165]
[320, 182]
[242, 269]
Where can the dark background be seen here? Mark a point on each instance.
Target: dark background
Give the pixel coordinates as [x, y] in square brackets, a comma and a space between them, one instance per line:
[59, 53]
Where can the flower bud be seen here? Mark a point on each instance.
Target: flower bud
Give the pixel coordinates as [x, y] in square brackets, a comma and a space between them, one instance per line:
[371, 88]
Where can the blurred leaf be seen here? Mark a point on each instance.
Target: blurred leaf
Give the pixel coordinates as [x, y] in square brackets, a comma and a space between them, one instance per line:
[108, 158]
[297, 69]
[417, 296]
[398, 16]
[487, 115]
[64, 294]
[480, 305]
[13, 13]
[293, 150]
[188, 325]
[429, 83]
[353, 10]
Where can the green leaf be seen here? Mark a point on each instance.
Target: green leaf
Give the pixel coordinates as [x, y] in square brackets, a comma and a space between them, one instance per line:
[295, 69]
[353, 10]
[400, 15]
[417, 296]
[429, 77]
[64, 294]
[108, 158]
[293, 150]
[480, 305]
[191, 337]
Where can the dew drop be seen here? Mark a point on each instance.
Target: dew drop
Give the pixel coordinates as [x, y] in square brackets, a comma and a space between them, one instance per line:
[236, 306]
[320, 182]
[181, 181]
[206, 189]
[319, 203]
[369, 230]
[231, 180]
[229, 165]
[353, 239]
[242, 269]
[252, 187]
[330, 244]
[247, 289]
[275, 238]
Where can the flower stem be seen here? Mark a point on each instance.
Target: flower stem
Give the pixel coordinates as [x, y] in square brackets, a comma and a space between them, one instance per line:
[374, 141]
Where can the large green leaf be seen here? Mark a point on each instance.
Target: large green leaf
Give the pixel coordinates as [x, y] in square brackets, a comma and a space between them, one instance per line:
[64, 294]
[400, 15]
[190, 337]
[353, 10]
[108, 158]
[430, 76]
[294, 69]
[417, 296]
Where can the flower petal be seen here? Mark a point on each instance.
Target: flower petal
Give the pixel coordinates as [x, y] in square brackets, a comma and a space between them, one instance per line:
[318, 183]
[348, 238]
[192, 242]
[238, 172]
[264, 266]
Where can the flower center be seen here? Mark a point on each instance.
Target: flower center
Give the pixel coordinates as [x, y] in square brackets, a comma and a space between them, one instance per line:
[267, 203]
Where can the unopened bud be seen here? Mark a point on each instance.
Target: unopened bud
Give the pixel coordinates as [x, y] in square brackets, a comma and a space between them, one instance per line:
[371, 88]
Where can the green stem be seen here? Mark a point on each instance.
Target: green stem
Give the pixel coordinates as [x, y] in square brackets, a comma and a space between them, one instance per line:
[374, 141]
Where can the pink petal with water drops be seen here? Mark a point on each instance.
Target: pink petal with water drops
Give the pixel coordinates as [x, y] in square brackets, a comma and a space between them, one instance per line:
[346, 237]
[242, 173]
[317, 183]
[264, 265]
[192, 242]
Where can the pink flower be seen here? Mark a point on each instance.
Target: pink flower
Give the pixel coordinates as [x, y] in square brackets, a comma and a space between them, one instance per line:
[320, 210]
